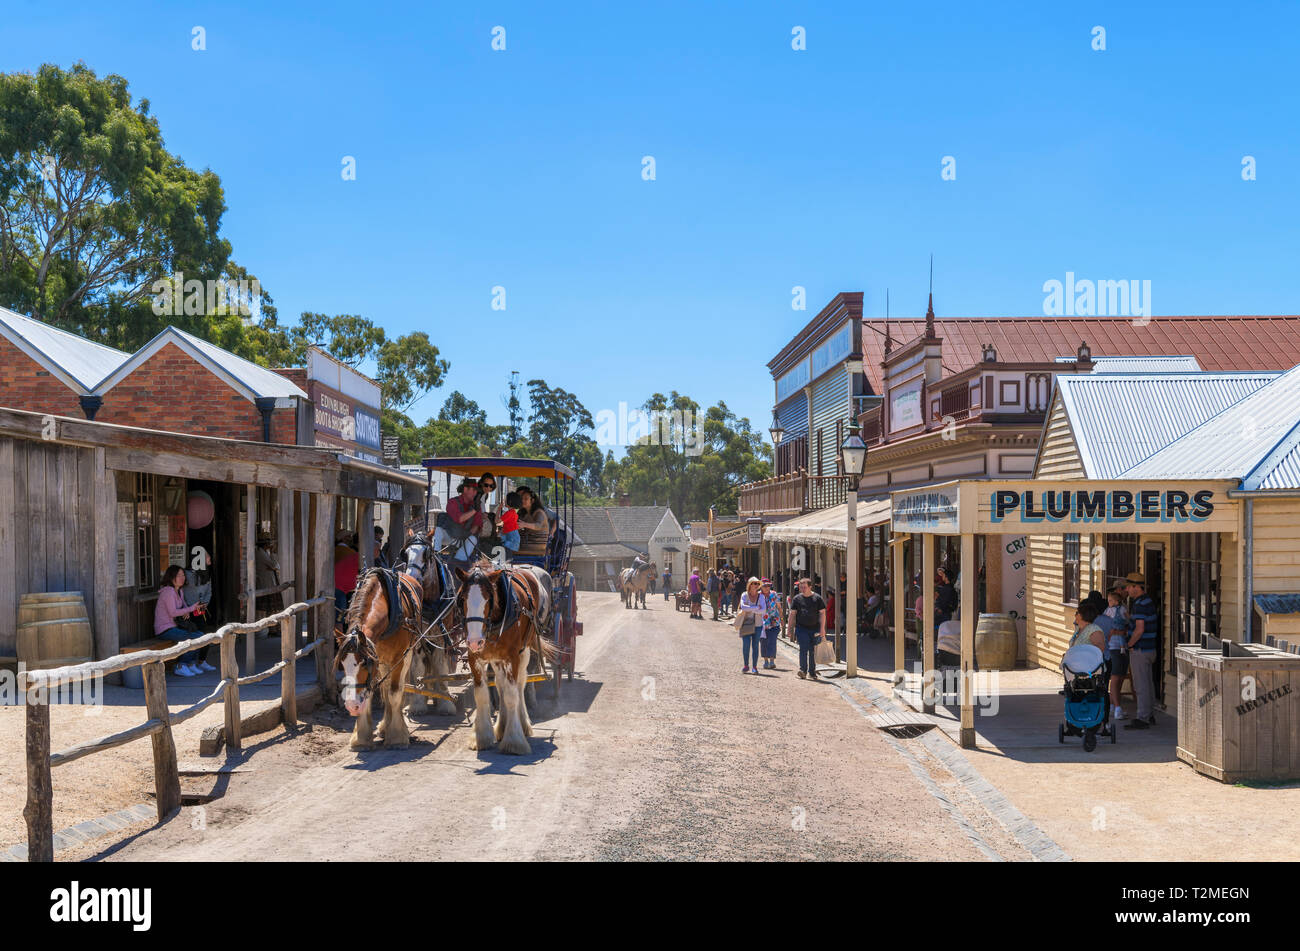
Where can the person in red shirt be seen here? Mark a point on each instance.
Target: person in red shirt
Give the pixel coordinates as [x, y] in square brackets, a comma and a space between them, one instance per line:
[510, 522]
[347, 565]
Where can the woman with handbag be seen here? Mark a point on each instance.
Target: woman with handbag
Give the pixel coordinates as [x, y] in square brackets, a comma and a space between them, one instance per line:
[749, 623]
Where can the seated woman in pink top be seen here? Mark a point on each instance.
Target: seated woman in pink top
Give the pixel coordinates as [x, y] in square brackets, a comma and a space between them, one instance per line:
[171, 606]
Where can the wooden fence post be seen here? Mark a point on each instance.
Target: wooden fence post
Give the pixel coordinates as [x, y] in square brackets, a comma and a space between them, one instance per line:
[289, 675]
[167, 780]
[230, 673]
[39, 811]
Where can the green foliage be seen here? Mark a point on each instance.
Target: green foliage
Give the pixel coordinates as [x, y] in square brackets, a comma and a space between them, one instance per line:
[730, 453]
[409, 367]
[93, 208]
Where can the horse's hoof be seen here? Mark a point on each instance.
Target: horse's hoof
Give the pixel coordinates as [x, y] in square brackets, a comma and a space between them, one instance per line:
[360, 747]
[515, 749]
[397, 745]
[478, 745]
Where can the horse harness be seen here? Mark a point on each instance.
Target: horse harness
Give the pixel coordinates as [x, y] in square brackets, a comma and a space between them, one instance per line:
[511, 609]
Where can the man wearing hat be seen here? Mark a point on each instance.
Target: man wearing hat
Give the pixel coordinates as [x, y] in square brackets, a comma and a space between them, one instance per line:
[1142, 642]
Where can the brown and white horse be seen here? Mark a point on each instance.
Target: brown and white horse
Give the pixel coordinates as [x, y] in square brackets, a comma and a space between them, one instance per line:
[434, 654]
[634, 582]
[505, 611]
[377, 645]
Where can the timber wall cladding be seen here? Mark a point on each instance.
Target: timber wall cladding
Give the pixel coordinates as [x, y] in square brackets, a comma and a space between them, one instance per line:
[47, 527]
[1058, 458]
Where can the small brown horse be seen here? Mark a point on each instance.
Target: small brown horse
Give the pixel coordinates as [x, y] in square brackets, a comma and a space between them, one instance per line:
[505, 613]
[374, 653]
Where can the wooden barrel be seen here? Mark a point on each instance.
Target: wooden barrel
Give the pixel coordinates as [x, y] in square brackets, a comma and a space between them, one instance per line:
[996, 640]
[53, 630]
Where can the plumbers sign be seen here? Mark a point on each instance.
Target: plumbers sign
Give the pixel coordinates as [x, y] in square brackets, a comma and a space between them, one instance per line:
[1049, 507]
[1116, 505]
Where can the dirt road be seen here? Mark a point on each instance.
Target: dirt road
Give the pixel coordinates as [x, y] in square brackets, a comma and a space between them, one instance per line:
[660, 749]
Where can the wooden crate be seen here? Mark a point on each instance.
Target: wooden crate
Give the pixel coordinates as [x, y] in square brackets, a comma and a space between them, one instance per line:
[1239, 711]
[54, 630]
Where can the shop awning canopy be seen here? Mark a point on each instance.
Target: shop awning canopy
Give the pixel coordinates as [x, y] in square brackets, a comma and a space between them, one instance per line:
[828, 527]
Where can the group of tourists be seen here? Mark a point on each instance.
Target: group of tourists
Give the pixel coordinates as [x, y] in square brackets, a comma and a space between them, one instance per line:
[1126, 635]
[759, 613]
[518, 524]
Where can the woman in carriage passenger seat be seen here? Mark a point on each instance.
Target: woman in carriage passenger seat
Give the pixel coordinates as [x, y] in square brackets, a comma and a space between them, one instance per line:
[534, 526]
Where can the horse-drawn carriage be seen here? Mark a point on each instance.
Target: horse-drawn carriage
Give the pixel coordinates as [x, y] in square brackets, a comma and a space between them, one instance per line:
[455, 596]
[555, 486]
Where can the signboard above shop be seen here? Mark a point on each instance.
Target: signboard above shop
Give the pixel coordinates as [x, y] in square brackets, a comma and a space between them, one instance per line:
[345, 407]
[1049, 507]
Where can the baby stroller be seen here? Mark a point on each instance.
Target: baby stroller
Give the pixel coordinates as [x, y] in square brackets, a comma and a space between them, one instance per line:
[1087, 703]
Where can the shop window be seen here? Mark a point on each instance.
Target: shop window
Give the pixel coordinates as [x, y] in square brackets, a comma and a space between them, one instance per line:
[1122, 556]
[1195, 591]
[146, 532]
[1070, 565]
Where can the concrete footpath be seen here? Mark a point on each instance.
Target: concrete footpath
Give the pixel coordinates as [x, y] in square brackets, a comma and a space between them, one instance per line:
[1131, 800]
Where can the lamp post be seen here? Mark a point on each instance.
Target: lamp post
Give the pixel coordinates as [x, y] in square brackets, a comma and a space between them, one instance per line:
[853, 453]
[776, 431]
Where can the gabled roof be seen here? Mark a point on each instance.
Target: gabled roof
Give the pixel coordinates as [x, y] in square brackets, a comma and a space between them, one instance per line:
[610, 552]
[1120, 419]
[78, 362]
[629, 525]
[247, 378]
[1254, 440]
[1232, 343]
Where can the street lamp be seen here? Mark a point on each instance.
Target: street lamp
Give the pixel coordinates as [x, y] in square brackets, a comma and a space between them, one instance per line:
[776, 430]
[853, 454]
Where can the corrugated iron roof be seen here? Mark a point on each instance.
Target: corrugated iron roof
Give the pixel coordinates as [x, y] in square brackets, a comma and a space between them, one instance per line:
[260, 380]
[1278, 603]
[255, 381]
[1120, 419]
[74, 359]
[1231, 343]
[1151, 364]
[1249, 440]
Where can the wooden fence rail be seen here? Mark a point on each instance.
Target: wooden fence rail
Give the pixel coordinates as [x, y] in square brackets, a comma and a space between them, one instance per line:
[37, 684]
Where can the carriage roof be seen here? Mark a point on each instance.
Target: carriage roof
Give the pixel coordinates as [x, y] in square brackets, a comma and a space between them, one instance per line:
[475, 466]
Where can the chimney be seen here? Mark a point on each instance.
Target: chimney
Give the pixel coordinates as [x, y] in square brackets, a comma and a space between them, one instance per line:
[624, 500]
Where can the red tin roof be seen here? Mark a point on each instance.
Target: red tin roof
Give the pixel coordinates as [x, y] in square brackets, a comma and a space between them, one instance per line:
[1218, 343]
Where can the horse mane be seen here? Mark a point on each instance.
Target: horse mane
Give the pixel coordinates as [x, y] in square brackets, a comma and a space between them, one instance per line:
[359, 606]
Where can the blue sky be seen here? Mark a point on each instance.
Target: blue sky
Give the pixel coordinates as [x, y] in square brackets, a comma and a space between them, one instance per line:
[774, 168]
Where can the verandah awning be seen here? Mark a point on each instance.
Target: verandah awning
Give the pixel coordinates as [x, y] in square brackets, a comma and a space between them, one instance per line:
[828, 527]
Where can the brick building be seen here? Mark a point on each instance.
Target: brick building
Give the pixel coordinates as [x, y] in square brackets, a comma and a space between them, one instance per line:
[176, 382]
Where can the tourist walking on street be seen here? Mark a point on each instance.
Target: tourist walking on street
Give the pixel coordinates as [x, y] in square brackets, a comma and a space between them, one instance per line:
[1142, 649]
[714, 588]
[696, 589]
[771, 626]
[750, 615]
[668, 582]
[809, 623]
